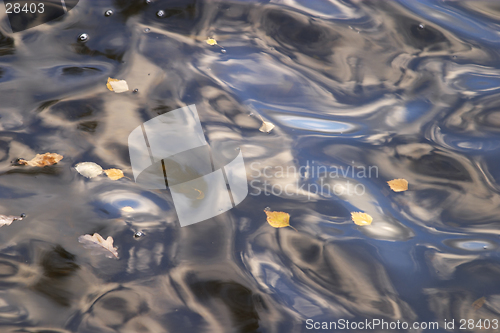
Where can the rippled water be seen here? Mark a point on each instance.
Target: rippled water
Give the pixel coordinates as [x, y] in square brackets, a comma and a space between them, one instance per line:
[408, 88]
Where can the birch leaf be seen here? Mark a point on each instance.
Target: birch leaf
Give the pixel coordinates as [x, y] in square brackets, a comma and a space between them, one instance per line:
[114, 174]
[99, 244]
[118, 86]
[8, 219]
[361, 218]
[211, 41]
[88, 169]
[278, 219]
[479, 303]
[398, 185]
[41, 160]
[266, 127]
[127, 209]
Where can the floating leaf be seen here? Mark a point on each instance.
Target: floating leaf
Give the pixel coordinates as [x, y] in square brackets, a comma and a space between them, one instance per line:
[127, 209]
[361, 218]
[88, 169]
[278, 219]
[41, 160]
[211, 41]
[114, 174]
[96, 242]
[8, 219]
[118, 86]
[266, 127]
[398, 185]
[479, 303]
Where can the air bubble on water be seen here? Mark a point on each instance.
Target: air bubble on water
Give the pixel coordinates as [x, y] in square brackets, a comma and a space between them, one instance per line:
[421, 26]
[136, 90]
[160, 13]
[267, 209]
[83, 37]
[223, 50]
[138, 234]
[147, 30]
[148, 1]
[485, 247]
[23, 215]
[109, 12]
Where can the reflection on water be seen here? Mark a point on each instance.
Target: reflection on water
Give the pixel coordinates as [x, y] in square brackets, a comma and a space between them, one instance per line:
[408, 87]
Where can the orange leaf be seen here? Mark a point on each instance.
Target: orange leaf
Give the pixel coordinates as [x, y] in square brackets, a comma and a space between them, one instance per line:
[398, 185]
[114, 174]
[41, 160]
[278, 219]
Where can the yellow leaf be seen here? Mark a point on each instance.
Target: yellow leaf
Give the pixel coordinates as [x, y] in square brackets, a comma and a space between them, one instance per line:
[398, 185]
[479, 303]
[211, 41]
[114, 174]
[361, 218]
[278, 219]
[41, 160]
[118, 86]
[266, 127]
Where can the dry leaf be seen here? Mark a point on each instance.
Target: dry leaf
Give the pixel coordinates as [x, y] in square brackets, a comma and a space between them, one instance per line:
[127, 209]
[118, 86]
[114, 174]
[96, 242]
[398, 185]
[278, 219]
[41, 160]
[211, 41]
[88, 169]
[361, 218]
[8, 219]
[266, 127]
[479, 303]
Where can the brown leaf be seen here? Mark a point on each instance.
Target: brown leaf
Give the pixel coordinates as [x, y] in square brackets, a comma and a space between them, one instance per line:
[278, 219]
[114, 174]
[96, 242]
[361, 218]
[479, 303]
[398, 185]
[41, 160]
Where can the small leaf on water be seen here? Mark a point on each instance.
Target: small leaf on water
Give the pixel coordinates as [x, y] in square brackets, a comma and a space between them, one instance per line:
[41, 160]
[114, 174]
[477, 304]
[398, 185]
[278, 219]
[88, 169]
[361, 218]
[266, 127]
[211, 41]
[127, 209]
[8, 219]
[118, 86]
[96, 242]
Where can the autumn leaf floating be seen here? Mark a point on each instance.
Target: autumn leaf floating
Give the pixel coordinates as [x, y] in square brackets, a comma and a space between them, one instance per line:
[211, 41]
[114, 174]
[361, 218]
[89, 169]
[99, 244]
[266, 127]
[92, 170]
[8, 219]
[278, 219]
[477, 304]
[398, 185]
[118, 86]
[41, 160]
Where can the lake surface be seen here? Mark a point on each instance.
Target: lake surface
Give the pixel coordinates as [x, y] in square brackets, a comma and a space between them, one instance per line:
[360, 93]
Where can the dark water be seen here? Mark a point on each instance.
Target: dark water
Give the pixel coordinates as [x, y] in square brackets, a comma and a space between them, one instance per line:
[409, 88]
